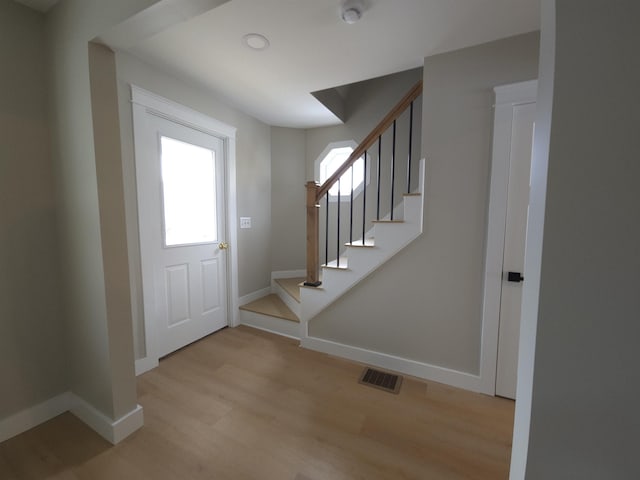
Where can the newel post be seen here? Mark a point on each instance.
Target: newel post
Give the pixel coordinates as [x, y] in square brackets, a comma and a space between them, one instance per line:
[313, 223]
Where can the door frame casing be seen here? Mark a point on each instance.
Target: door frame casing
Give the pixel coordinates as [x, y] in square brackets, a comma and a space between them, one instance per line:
[507, 97]
[145, 103]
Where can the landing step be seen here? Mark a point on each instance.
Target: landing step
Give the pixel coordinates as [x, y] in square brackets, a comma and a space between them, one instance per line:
[272, 306]
[291, 286]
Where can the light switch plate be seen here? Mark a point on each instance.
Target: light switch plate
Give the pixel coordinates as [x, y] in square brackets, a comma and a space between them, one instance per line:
[245, 222]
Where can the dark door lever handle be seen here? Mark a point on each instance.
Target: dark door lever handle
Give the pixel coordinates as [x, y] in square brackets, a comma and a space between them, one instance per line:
[515, 277]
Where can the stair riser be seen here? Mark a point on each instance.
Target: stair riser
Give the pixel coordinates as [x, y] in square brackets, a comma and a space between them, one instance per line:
[271, 324]
[388, 235]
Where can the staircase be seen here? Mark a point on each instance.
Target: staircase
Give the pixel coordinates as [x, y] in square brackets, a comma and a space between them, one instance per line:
[290, 306]
[385, 231]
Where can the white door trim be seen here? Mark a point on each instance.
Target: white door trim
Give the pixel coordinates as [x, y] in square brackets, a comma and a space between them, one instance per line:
[507, 97]
[144, 103]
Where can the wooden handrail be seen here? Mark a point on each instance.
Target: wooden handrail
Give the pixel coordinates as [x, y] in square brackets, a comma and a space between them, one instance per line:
[316, 192]
[370, 139]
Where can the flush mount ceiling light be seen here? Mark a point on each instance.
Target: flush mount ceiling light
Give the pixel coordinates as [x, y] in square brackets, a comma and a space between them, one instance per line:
[351, 11]
[255, 41]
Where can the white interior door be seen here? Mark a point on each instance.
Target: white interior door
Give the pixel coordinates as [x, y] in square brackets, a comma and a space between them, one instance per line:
[514, 247]
[181, 203]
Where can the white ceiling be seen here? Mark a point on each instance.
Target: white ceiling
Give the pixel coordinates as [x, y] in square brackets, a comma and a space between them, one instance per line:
[313, 49]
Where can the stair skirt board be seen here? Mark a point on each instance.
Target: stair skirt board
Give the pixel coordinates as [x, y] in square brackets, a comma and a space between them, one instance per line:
[285, 296]
[291, 286]
[392, 363]
[272, 306]
[270, 324]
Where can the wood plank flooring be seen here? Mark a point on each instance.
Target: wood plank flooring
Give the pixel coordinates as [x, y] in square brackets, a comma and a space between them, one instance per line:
[246, 404]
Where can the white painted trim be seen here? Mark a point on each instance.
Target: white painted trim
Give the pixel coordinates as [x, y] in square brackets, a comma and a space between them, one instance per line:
[425, 371]
[516, 93]
[270, 324]
[507, 97]
[127, 424]
[143, 103]
[34, 416]
[288, 300]
[251, 297]
[145, 364]
[288, 274]
[232, 231]
[176, 112]
[286, 297]
[112, 431]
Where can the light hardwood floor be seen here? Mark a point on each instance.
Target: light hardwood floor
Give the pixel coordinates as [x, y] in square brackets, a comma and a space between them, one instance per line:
[245, 404]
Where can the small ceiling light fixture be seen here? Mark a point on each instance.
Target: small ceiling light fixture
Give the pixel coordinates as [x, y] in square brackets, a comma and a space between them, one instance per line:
[256, 41]
[351, 11]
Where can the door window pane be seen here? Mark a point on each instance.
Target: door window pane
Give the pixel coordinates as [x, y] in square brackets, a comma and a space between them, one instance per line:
[189, 193]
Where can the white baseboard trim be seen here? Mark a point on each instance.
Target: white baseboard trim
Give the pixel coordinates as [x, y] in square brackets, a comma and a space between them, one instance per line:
[250, 297]
[269, 324]
[288, 274]
[112, 431]
[34, 416]
[127, 424]
[390, 362]
[145, 364]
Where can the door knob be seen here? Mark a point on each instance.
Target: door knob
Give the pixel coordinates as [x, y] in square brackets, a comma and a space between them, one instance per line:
[223, 246]
[515, 277]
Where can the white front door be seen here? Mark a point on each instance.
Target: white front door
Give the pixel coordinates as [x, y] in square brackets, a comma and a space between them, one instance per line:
[181, 201]
[514, 247]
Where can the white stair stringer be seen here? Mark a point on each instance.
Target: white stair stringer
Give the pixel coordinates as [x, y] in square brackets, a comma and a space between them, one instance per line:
[389, 239]
[288, 300]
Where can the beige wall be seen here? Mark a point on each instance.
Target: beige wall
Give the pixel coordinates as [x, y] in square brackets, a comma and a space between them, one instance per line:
[94, 327]
[366, 104]
[32, 347]
[295, 151]
[253, 171]
[288, 217]
[584, 416]
[433, 311]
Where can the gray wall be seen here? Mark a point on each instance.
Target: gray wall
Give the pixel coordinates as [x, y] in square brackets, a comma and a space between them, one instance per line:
[433, 314]
[288, 148]
[253, 170]
[32, 353]
[584, 418]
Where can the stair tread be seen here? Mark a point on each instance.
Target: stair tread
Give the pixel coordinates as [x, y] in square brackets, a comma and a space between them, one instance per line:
[291, 286]
[334, 264]
[411, 194]
[388, 221]
[368, 243]
[273, 306]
